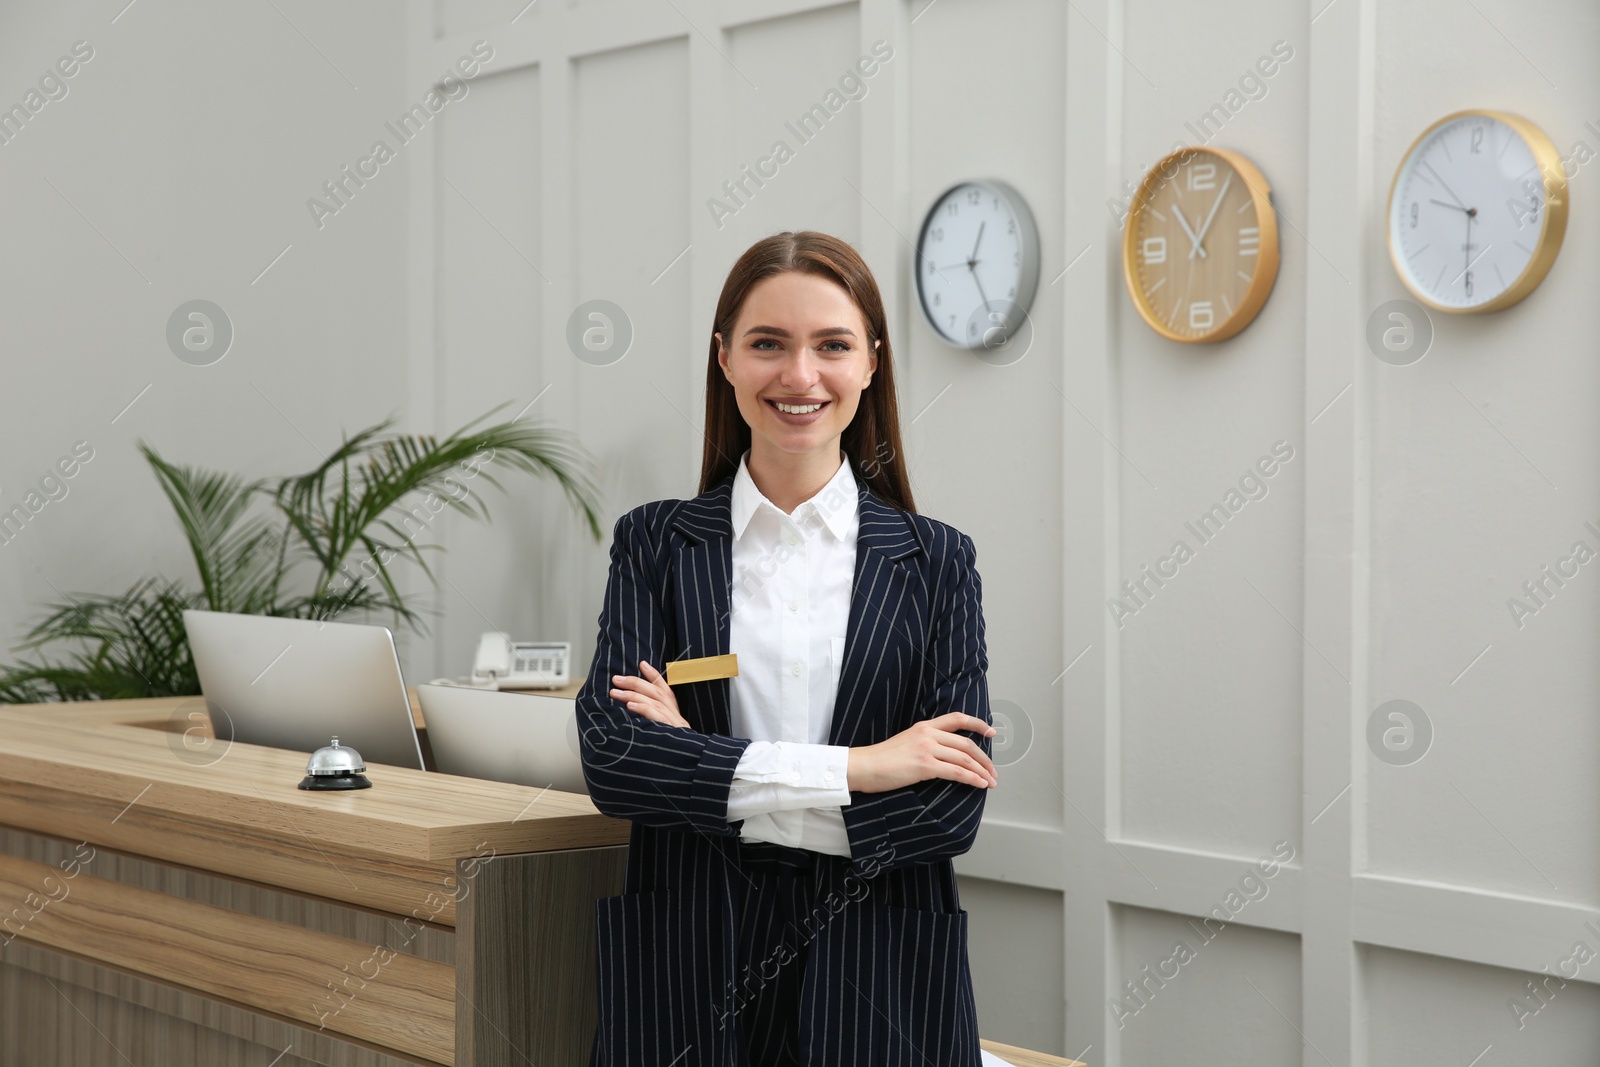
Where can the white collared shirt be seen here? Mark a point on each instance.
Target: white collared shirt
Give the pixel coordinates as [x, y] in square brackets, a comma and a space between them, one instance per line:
[792, 580]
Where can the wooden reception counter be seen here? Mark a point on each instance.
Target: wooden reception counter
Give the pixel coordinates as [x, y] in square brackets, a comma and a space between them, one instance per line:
[167, 901]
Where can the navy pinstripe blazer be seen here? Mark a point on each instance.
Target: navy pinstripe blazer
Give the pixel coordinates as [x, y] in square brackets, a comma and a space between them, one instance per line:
[887, 980]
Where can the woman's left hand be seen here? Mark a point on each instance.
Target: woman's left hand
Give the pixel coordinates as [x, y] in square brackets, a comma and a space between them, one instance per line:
[649, 696]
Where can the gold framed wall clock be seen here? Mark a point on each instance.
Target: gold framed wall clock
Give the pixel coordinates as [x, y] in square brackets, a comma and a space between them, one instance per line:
[1477, 211]
[1200, 245]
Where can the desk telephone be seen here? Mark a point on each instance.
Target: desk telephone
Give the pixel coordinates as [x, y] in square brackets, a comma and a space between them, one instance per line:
[502, 663]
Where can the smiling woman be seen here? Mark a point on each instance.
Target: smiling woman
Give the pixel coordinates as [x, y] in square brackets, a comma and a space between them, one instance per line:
[846, 759]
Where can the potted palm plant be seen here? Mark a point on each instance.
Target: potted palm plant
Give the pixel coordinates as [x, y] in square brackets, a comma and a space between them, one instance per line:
[313, 545]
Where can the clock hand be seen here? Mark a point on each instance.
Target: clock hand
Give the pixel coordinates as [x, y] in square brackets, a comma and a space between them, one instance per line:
[1214, 205]
[1445, 187]
[1441, 203]
[974, 257]
[1194, 242]
[1470, 265]
[1467, 250]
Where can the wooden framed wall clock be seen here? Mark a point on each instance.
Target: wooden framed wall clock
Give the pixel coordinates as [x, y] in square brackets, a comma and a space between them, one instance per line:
[977, 263]
[1477, 211]
[1200, 245]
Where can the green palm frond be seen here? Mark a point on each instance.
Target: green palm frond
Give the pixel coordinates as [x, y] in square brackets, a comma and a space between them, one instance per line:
[366, 504]
[130, 644]
[234, 551]
[353, 501]
[356, 598]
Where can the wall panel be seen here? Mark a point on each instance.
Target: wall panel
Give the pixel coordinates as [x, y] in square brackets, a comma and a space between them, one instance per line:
[776, 73]
[628, 166]
[985, 440]
[1485, 471]
[493, 294]
[1212, 659]
[1204, 994]
[1424, 1009]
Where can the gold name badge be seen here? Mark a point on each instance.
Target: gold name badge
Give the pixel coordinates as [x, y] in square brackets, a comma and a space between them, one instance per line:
[703, 670]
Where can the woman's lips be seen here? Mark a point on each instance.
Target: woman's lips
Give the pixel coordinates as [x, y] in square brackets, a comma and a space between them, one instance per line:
[798, 420]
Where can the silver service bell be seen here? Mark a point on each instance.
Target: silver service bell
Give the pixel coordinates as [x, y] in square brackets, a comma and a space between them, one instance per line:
[335, 767]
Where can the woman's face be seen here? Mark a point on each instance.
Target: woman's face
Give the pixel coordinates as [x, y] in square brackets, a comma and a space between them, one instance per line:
[800, 341]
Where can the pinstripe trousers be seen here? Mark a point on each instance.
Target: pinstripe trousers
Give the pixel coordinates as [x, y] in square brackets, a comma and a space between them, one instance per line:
[805, 934]
[776, 923]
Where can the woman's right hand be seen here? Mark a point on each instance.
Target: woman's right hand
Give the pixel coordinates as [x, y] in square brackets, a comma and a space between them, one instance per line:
[929, 749]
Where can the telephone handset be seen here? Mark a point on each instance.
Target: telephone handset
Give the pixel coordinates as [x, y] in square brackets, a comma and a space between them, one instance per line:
[502, 663]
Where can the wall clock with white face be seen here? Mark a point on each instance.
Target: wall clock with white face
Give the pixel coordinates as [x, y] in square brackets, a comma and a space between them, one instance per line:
[1200, 245]
[1477, 211]
[977, 263]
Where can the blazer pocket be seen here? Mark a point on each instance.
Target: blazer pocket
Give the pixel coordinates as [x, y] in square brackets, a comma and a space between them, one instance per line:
[930, 948]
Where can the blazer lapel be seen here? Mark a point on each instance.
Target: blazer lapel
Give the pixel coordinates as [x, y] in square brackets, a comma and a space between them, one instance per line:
[877, 596]
[702, 580]
[702, 587]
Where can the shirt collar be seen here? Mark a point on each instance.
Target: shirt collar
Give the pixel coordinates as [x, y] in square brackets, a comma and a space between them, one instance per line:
[836, 502]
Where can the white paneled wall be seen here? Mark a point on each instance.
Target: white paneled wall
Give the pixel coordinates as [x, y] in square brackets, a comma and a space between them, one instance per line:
[1223, 725]
[1224, 722]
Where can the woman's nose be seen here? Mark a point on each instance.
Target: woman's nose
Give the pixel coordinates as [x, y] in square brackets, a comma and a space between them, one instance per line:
[802, 368]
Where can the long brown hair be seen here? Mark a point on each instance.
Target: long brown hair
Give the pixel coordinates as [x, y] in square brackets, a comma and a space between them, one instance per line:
[871, 442]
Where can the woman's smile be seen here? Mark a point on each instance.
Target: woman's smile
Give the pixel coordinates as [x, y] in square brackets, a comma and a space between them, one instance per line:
[797, 412]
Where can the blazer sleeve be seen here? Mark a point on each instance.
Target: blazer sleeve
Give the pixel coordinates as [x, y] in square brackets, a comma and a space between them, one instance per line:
[671, 777]
[936, 819]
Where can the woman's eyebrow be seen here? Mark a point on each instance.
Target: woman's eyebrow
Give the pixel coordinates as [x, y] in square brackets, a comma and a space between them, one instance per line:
[826, 331]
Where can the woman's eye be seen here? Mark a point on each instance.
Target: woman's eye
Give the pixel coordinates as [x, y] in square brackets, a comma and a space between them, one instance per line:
[827, 346]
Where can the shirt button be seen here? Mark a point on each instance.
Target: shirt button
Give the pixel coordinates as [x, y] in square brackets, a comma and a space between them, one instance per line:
[794, 605]
[795, 777]
[797, 668]
[828, 776]
[791, 538]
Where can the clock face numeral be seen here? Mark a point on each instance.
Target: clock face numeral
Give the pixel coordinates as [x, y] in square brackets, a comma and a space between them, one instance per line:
[1197, 247]
[1467, 212]
[974, 256]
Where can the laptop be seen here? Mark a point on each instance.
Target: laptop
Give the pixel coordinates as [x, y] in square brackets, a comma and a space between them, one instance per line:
[298, 683]
[515, 737]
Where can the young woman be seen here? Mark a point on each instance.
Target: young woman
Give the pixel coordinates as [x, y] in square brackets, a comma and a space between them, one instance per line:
[789, 896]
